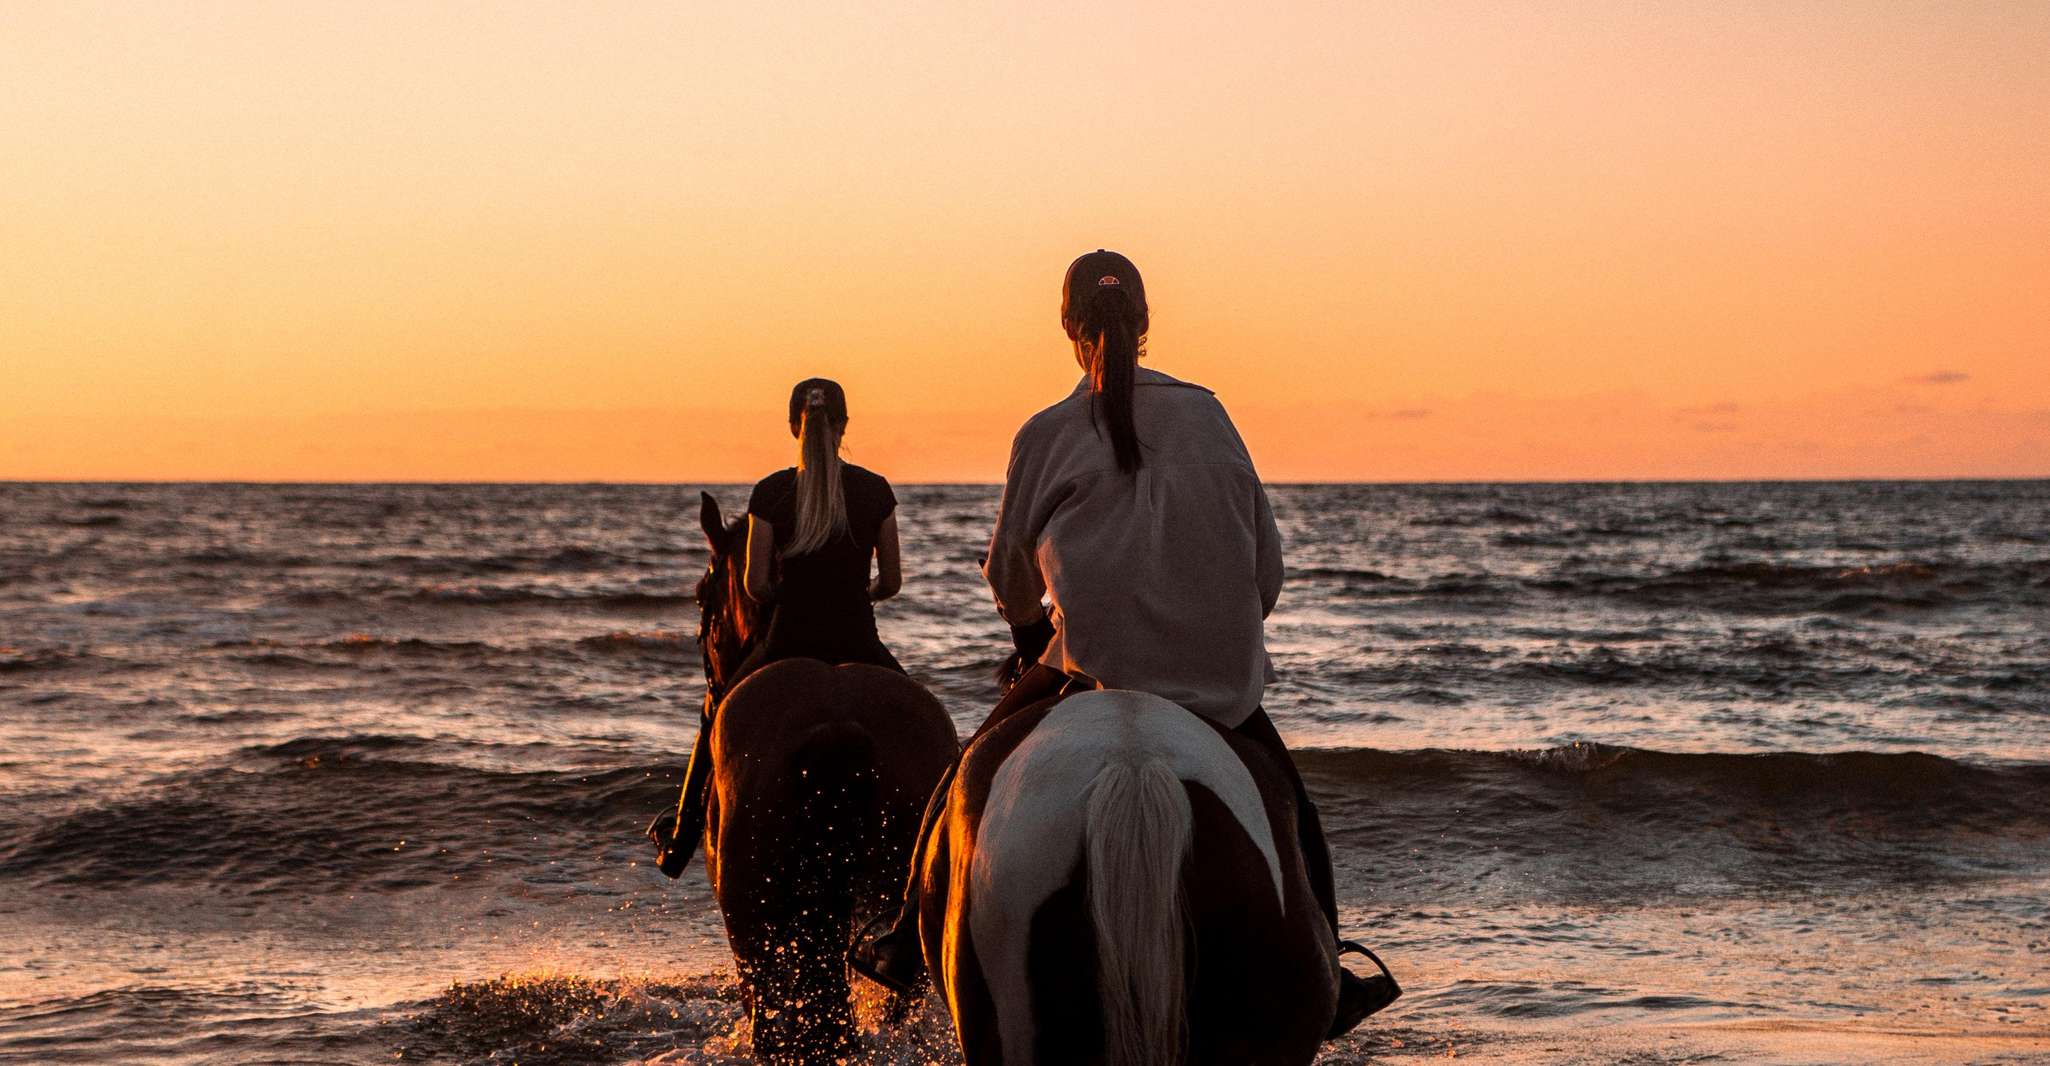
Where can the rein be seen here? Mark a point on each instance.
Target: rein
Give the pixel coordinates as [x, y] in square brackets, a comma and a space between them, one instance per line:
[719, 617]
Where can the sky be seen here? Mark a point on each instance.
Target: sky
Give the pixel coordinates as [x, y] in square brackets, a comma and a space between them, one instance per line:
[1401, 241]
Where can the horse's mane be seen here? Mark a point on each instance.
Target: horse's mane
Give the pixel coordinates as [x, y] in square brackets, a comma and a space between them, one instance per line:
[727, 623]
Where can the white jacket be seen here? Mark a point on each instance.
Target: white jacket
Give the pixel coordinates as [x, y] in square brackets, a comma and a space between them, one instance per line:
[1159, 581]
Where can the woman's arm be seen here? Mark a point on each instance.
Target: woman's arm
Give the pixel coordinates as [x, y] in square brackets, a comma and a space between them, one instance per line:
[889, 562]
[761, 551]
[1012, 564]
[1268, 570]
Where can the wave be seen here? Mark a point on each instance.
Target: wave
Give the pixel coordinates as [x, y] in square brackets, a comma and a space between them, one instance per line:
[389, 812]
[1560, 999]
[1342, 573]
[458, 595]
[1596, 821]
[1743, 587]
[539, 1018]
[169, 1023]
[332, 815]
[1828, 589]
[514, 597]
[573, 559]
[14, 659]
[662, 642]
[1491, 516]
[567, 1018]
[32, 660]
[1578, 536]
[1800, 782]
[226, 556]
[1739, 667]
[355, 650]
[364, 643]
[456, 565]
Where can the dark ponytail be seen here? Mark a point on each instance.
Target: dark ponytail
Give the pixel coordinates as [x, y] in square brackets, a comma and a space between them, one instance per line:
[1109, 319]
[1103, 307]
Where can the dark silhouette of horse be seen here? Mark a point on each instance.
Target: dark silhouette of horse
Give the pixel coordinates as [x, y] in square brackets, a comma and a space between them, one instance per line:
[819, 776]
[1118, 882]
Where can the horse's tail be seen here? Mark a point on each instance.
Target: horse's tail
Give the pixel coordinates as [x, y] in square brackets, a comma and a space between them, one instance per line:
[1138, 828]
[835, 770]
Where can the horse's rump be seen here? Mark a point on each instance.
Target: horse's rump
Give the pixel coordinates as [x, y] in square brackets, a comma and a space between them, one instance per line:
[819, 775]
[1117, 865]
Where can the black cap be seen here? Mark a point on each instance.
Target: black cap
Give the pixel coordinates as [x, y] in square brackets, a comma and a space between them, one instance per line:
[818, 392]
[1102, 269]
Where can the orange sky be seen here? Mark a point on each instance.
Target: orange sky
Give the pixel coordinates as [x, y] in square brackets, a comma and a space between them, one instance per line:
[1414, 241]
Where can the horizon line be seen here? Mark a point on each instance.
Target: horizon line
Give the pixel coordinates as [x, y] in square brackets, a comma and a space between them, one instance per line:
[1285, 483]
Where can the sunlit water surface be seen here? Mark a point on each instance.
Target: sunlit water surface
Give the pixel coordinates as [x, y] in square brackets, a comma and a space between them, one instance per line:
[357, 773]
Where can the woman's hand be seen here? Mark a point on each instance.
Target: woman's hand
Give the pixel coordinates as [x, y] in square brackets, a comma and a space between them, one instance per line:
[1030, 641]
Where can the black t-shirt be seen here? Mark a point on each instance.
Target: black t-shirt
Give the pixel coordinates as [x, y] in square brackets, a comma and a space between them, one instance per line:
[822, 595]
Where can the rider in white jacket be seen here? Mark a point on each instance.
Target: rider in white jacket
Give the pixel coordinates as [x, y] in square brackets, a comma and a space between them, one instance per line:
[1135, 549]
[1159, 578]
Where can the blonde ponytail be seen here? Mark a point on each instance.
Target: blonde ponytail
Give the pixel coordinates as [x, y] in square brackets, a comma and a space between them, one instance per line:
[821, 499]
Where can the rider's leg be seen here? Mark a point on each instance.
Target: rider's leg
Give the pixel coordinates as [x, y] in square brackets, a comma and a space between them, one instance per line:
[880, 655]
[1358, 996]
[1309, 828]
[894, 958]
[677, 833]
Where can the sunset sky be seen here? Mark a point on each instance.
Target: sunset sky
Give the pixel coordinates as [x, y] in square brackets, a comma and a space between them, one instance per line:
[1401, 241]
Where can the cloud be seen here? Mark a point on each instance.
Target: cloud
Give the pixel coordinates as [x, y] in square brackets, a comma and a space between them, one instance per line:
[1940, 377]
[1406, 413]
[1724, 408]
[1715, 427]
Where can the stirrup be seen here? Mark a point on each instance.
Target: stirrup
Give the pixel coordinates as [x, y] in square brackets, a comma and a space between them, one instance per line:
[1354, 947]
[1370, 995]
[861, 958]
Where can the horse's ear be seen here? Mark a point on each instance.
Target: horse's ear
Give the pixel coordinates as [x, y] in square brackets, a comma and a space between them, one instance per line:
[708, 515]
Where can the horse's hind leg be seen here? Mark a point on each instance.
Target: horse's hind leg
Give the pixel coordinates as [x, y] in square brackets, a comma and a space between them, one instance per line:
[821, 997]
[804, 1015]
[1067, 1008]
[797, 1015]
[897, 1007]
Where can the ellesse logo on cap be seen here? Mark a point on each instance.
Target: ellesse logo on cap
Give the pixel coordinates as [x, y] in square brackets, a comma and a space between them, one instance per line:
[1107, 279]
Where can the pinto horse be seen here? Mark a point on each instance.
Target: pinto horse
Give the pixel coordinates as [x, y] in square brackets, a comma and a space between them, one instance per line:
[1117, 881]
[819, 776]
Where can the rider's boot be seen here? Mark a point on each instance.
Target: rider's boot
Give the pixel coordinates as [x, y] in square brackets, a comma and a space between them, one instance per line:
[894, 958]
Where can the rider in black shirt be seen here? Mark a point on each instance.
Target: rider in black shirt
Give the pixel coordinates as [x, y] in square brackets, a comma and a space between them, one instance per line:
[823, 597]
[811, 531]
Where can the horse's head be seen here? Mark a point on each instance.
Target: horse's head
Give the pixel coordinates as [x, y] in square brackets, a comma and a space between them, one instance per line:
[730, 622]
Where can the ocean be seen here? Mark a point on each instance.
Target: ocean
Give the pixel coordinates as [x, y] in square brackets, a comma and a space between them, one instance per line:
[1612, 772]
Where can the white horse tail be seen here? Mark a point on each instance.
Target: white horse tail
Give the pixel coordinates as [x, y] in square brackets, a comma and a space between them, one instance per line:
[1138, 828]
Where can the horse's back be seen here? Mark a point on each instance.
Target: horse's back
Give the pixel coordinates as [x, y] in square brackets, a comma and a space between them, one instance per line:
[799, 727]
[786, 704]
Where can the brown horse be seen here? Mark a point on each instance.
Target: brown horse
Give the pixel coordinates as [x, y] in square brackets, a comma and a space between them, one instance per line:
[1117, 881]
[819, 776]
